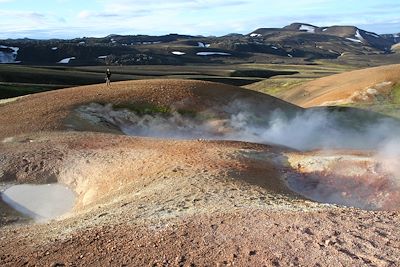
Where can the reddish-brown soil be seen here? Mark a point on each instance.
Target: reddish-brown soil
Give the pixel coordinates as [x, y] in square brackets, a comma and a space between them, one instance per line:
[153, 202]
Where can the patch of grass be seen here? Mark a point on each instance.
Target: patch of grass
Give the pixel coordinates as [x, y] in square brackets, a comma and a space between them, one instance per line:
[356, 118]
[396, 94]
[226, 80]
[388, 109]
[144, 109]
[389, 106]
[276, 86]
[261, 73]
[187, 113]
[14, 90]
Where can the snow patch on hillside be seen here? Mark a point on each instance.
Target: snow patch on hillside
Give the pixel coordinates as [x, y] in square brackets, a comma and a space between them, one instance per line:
[373, 34]
[8, 57]
[255, 35]
[354, 40]
[54, 48]
[358, 36]
[102, 57]
[307, 28]
[178, 53]
[201, 44]
[66, 60]
[212, 54]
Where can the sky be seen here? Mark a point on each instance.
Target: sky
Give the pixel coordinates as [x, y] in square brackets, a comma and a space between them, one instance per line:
[46, 19]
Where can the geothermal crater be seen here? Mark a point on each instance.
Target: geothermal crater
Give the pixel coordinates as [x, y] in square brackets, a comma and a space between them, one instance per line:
[156, 154]
[327, 175]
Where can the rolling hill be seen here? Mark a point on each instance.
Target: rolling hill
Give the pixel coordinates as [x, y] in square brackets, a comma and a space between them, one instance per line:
[365, 86]
[374, 89]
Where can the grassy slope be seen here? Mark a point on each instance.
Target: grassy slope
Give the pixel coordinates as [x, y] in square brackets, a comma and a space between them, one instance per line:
[33, 79]
[16, 80]
[277, 85]
[388, 106]
[8, 90]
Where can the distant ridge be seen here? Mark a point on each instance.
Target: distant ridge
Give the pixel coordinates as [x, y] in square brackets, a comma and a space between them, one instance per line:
[294, 43]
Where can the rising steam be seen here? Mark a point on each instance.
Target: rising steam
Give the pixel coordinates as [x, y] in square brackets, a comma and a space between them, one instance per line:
[305, 130]
[368, 183]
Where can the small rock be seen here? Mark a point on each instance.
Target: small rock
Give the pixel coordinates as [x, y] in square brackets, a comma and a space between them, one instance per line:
[308, 231]
[252, 252]
[180, 260]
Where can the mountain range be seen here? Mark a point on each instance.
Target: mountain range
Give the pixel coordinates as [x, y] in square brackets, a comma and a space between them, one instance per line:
[297, 42]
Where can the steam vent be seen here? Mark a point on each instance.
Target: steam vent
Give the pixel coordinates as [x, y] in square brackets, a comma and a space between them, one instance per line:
[184, 173]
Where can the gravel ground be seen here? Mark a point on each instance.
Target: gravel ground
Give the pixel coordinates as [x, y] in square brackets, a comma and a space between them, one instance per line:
[153, 202]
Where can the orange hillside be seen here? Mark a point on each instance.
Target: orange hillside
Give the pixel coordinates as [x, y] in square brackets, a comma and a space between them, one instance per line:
[360, 86]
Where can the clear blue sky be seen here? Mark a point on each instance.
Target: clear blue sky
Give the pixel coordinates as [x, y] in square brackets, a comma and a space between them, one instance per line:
[72, 18]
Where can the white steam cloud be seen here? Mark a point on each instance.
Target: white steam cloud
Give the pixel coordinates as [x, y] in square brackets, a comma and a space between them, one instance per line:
[312, 129]
[388, 156]
[366, 182]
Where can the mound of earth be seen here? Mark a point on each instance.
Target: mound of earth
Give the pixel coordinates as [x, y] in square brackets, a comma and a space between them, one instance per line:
[187, 202]
[359, 86]
[53, 110]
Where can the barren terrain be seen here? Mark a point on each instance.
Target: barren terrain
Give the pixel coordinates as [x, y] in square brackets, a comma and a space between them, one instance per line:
[146, 201]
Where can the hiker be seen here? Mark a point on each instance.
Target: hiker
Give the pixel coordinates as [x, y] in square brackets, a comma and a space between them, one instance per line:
[298, 166]
[108, 77]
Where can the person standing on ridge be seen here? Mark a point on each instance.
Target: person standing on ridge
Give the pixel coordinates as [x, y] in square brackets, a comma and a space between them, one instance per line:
[108, 77]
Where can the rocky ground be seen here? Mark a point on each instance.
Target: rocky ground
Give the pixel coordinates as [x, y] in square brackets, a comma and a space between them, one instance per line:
[162, 202]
